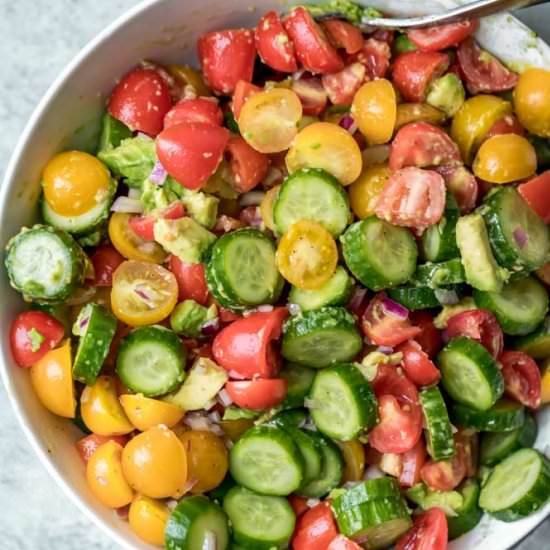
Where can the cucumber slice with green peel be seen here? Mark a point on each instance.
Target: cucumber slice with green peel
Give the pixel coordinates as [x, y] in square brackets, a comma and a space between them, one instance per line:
[469, 514]
[321, 337]
[195, 523]
[258, 521]
[335, 292]
[503, 416]
[299, 381]
[439, 432]
[112, 133]
[365, 491]
[495, 447]
[311, 453]
[438, 242]
[470, 374]
[414, 297]
[292, 418]
[151, 361]
[266, 460]
[379, 254]
[216, 289]
[517, 487]
[96, 328]
[427, 498]
[312, 194]
[519, 307]
[537, 343]
[342, 402]
[437, 275]
[218, 494]
[519, 238]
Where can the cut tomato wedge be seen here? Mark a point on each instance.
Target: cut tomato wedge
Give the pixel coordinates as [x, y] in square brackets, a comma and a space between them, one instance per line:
[315, 529]
[429, 532]
[199, 109]
[273, 44]
[248, 165]
[521, 378]
[144, 226]
[375, 55]
[462, 184]
[191, 280]
[343, 35]
[243, 91]
[312, 94]
[342, 86]
[417, 365]
[536, 193]
[429, 337]
[258, 395]
[441, 37]
[445, 475]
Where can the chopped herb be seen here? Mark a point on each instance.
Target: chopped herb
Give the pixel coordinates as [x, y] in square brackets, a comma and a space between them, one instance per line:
[315, 145]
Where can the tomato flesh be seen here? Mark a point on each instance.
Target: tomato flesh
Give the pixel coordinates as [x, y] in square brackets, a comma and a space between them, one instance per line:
[429, 337]
[312, 93]
[273, 44]
[412, 462]
[343, 543]
[258, 395]
[249, 166]
[105, 260]
[445, 475]
[342, 86]
[144, 226]
[343, 35]
[441, 37]
[375, 55]
[88, 445]
[429, 532]
[417, 365]
[522, 378]
[199, 109]
[462, 184]
[191, 280]
[243, 91]
[536, 193]
[315, 529]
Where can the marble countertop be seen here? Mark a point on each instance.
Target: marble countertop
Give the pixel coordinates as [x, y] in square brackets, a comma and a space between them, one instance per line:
[37, 38]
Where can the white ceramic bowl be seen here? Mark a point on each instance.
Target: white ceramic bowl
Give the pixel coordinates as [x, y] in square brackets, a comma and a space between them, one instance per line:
[165, 30]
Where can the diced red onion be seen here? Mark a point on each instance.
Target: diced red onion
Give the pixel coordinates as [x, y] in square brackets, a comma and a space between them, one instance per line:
[298, 74]
[211, 327]
[348, 123]
[386, 350]
[377, 154]
[357, 300]
[373, 472]
[252, 198]
[141, 291]
[127, 205]
[394, 309]
[446, 297]
[171, 503]
[520, 236]
[224, 398]
[214, 416]
[273, 177]
[209, 542]
[294, 309]
[134, 193]
[159, 174]
[265, 308]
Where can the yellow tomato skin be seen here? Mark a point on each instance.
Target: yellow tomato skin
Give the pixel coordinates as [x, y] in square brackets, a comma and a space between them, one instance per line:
[144, 412]
[143, 293]
[354, 460]
[52, 381]
[408, 113]
[207, 460]
[505, 158]
[474, 119]
[363, 192]
[532, 101]
[187, 76]
[155, 464]
[235, 428]
[374, 109]
[266, 207]
[75, 182]
[101, 410]
[147, 518]
[545, 382]
[130, 245]
[327, 146]
[105, 478]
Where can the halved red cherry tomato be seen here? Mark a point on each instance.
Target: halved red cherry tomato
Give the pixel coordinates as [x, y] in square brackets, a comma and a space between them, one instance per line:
[508, 124]
[413, 71]
[341, 86]
[105, 259]
[228, 316]
[536, 193]
[482, 72]
[199, 109]
[273, 44]
[243, 90]
[441, 37]
[313, 49]
[522, 378]
[32, 335]
[141, 100]
[258, 395]
[312, 94]
[479, 324]
[249, 166]
[375, 55]
[299, 504]
[343, 543]
[462, 184]
[227, 57]
[144, 226]
[422, 145]
[430, 337]
[417, 365]
[384, 35]
[191, 280]
[429, 532]
[412, 462]
[191, 152]
[246, 346]
[445, 475]
[88, 445]
[316, 529]
[343, 35]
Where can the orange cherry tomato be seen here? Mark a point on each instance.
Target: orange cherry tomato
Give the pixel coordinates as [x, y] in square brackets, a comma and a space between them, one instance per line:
[364, 192]
[147, 518]
[144, 412]
[532, 101]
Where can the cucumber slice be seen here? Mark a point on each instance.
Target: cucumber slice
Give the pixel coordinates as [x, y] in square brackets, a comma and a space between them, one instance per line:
[335, 292]
[321, 337]
[258, 521]
[299, 381]
[266, 460]
[379, 254]
[342, 402]
[520, 307]
[470, 374]
[218, 494]
[536, 344]
[312, 194]
[437, 275]
[112, 133]
[518, 486]
[426, 498]
[292, 418]
[96, 327]
[414, 298]
[495, 447]
[469, 514]
[311, 454]
[506, 215]
[438, 242]
[366, 491]
[439, 432]
[503, 416]
[151, 361]
[193, 523]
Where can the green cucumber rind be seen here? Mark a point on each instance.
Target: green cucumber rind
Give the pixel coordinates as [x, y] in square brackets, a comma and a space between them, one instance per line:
[365, 491]
[439, 432]
[414, 298]
[299, 381]
[311, 453]
[504, 416]
[470, 514]
[291, 418]
[537, 343]
[442, 274]
[446, 234]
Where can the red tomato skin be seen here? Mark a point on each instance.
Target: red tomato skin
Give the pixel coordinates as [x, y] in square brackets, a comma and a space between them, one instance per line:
[462, 184]
[228, 316]
[536, 193]
[343, 543]
[21, 344]
[141, 100]
[258, 395]
[88, 445]
[445, 475]
[191, 280]
[375, 55]
[313, 49]
[430, 337]
[413, 71]
[468, 440]
[315, 529]
[199, 109]
[343, 35]
[522, 378]
[342, 86]
[245, 347]
[429, 532]
[144, 226]
[441, 37]
[273, 44]
[312, 94]
[508, 124]
[417, 365]
[191, 152]
[105, 260]
[249, 166]
[243, 91]
[412, 462]
[299, 504]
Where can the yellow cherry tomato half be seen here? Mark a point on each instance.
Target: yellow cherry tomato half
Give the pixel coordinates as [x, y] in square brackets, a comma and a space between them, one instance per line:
[52, 381]
[266, 207]
[75, 182]
[307, 255]
[105, 478]
[144, 412]
[327, 146]
[505, 158]
[354, 460]
[207, 460]
[101, 409]
[129, 244]
[363, 192]
[187, 76]
[155, 464]
[147, 518]
[532, 101]
[235, 428]
[408, 113]
[143, 293]
[374, 109]
[545, 382]
[269, 120]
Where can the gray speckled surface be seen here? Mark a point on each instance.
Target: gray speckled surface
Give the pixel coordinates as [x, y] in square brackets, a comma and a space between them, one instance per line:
[37, 38]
